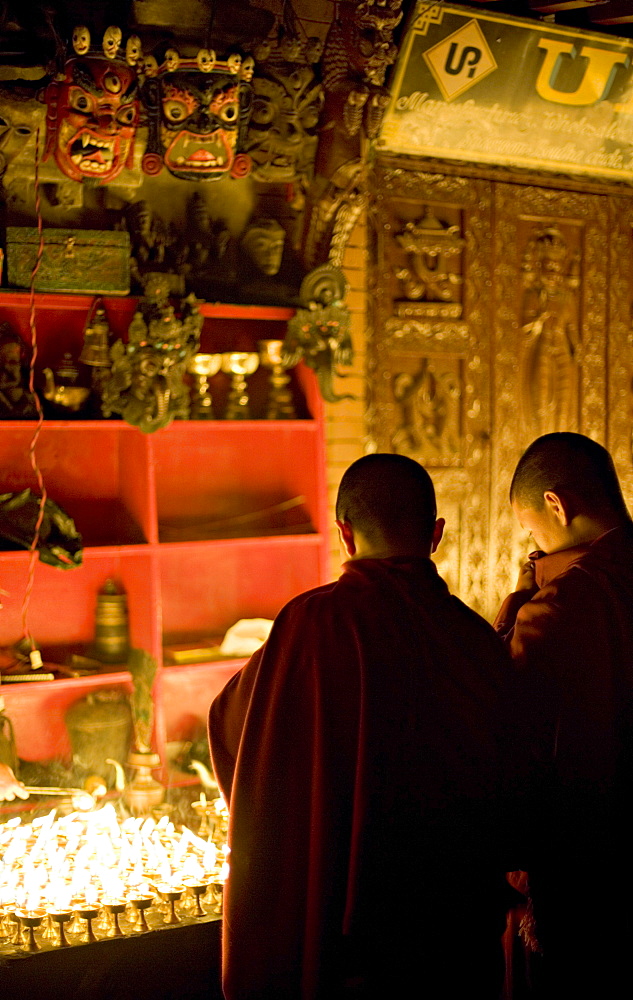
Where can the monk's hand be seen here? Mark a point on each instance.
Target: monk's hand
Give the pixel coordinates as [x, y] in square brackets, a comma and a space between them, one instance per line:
[527, 577]
[10, 787]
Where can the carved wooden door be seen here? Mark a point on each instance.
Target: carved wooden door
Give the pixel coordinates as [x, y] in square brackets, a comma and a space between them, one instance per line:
[430, 355]
[500, 312]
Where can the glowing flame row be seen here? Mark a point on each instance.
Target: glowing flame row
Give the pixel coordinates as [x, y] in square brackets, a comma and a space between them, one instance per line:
[93, 857]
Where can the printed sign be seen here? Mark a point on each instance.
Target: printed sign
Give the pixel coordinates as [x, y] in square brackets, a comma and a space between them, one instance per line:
[490, 88]
[460, 61]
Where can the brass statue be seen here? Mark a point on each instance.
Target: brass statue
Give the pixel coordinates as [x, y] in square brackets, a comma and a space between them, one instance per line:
[204, 253]
[146, 384]
[320, 329]
[148, 239]
[16, 401]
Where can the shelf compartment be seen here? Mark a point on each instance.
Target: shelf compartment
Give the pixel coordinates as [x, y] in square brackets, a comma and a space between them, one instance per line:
[97, 472]
[37, 710]
[63, 602]
[187, 693]
[207, 587]
[209, 474]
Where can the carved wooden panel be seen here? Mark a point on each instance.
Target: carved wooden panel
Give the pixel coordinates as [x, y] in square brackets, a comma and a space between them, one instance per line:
[620, 342]
[499, 312]
[549, 340]
[429, 355]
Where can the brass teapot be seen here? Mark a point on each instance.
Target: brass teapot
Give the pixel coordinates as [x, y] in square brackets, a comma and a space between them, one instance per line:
[61, 389]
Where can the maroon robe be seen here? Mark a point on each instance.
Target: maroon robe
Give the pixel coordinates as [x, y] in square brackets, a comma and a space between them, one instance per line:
[359, 752]
[572, 645]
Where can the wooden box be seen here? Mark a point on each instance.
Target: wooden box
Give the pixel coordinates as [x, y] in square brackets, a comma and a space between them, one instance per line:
[74, 260]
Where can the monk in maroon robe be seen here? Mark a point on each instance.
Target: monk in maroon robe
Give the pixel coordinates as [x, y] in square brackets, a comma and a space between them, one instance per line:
[569, 629]
[359, 752]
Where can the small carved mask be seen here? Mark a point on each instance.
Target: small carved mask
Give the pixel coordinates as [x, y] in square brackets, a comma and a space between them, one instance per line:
[247, 69]
[133, 50]
[198, 122]
[205, 60]
[20, 116]
[172, 60]
[234, 62]
[282, 136]
[91, 120]
[81, 40]
[264, 242]
[111, 41]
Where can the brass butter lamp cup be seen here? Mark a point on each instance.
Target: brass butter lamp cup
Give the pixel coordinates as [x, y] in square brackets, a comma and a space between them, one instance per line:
[29, 920]
[239, 365]
[171, 894]
[115, 907]
[198, 889]
[273, 356]
[61, 917]
[88, 912]
[203, 367]
[141, 904]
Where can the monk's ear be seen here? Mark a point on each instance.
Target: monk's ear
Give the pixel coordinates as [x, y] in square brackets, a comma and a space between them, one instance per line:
[560, 506]
[438, 531]
[346, 534]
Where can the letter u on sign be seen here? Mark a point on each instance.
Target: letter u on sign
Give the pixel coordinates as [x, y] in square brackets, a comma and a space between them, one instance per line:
[596, 80]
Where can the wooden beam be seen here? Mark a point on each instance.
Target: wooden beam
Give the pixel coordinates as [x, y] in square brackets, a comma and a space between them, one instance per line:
[553, 6]
[613, 12]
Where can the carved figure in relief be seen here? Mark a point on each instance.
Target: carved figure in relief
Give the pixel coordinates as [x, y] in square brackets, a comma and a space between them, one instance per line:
[358, 50]
[429, 245]
[425, 401]
[550, 325]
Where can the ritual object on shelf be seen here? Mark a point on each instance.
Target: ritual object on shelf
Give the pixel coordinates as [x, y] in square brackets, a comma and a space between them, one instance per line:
[62, 388]
[203, 367]
[239, 365]
[146, 384]
[272, 355]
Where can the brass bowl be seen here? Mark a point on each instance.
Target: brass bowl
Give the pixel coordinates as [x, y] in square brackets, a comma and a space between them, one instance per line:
[240, 362]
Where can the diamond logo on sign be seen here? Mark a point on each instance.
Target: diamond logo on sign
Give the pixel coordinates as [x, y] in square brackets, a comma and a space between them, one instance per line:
[461, 60]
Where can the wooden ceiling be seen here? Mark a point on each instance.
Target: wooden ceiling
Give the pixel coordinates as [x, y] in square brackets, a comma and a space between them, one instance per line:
[610, 16]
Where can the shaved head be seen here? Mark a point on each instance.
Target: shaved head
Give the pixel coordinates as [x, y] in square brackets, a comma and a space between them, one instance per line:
[570, 465]
[388, 497]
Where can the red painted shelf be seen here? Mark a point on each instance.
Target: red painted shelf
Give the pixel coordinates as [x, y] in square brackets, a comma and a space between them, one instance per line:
[202, 523]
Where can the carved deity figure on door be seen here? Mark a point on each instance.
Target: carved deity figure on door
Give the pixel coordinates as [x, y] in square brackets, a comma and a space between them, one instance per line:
[428, 401]
[549, 373]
